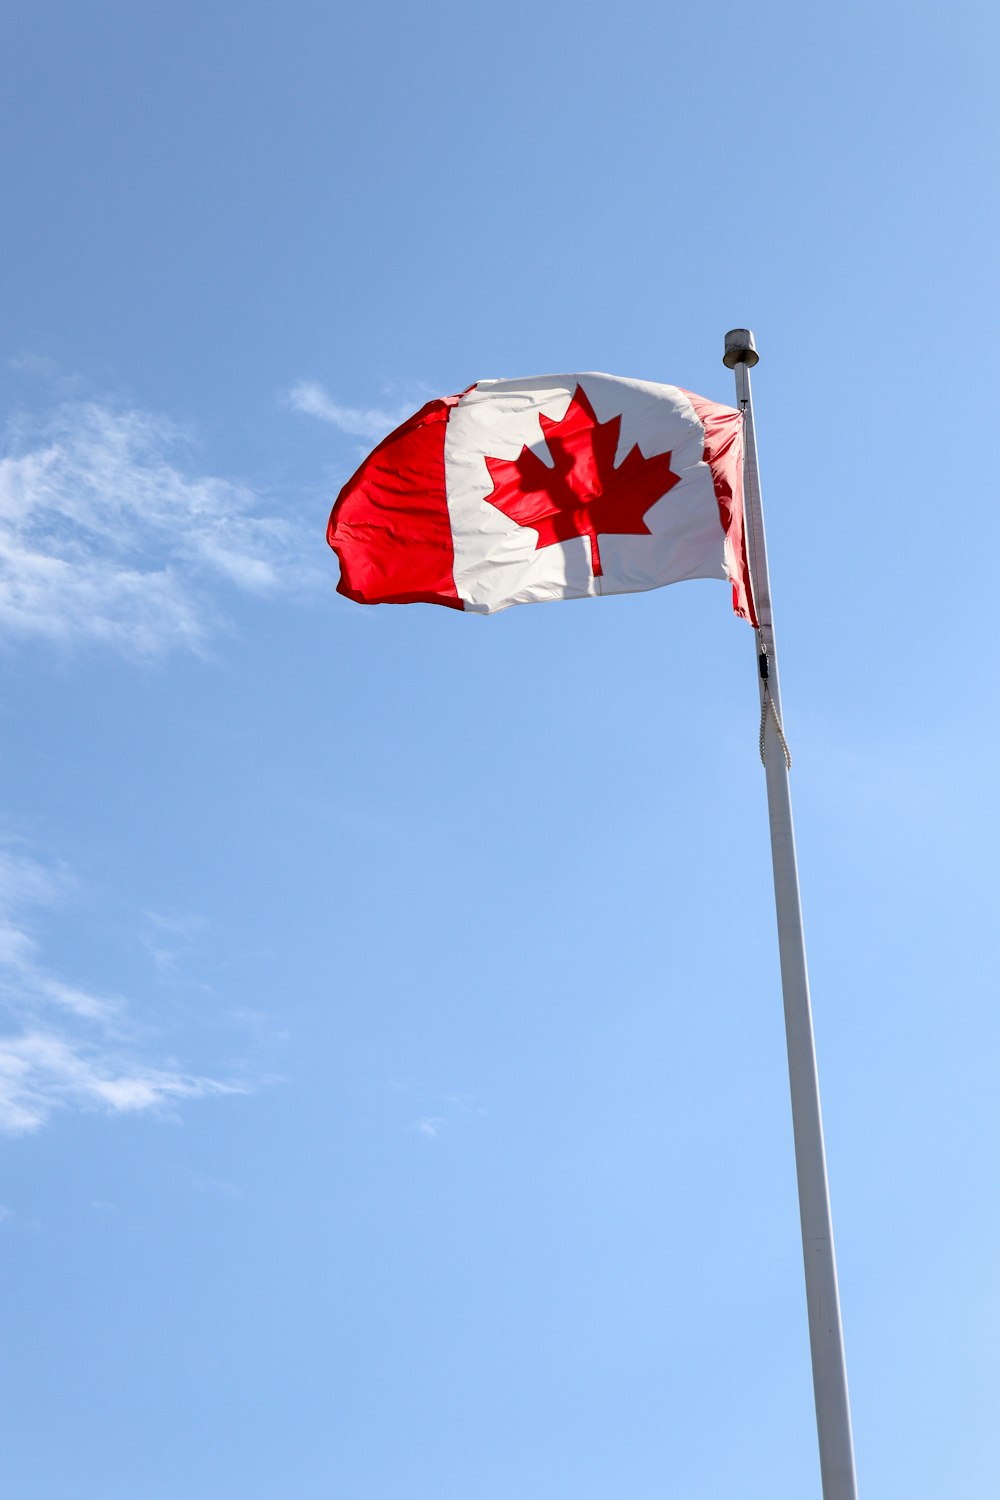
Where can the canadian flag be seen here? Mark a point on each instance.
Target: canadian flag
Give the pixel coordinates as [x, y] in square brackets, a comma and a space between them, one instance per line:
[551, 487]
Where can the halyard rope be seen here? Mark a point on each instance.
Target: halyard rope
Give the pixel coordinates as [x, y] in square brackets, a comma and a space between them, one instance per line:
[767, 702]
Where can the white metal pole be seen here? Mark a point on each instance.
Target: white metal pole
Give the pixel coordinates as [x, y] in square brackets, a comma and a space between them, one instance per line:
[826, 1339]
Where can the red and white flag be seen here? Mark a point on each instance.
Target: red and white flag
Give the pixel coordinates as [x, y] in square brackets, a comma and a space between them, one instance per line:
[553, 487]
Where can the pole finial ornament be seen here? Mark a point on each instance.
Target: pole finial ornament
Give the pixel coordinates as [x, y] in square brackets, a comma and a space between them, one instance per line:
[740, 349]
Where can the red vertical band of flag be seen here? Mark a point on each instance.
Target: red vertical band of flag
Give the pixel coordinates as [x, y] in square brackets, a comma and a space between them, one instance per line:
[724, 456]
[390, 525]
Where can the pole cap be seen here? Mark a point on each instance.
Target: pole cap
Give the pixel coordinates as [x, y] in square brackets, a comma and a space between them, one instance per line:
[740, 349]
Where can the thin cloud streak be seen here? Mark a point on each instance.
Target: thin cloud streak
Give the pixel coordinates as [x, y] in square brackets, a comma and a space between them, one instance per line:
[73, 1047]
[41, 1071]
[106, 537]
[169, 936]
[310, 398]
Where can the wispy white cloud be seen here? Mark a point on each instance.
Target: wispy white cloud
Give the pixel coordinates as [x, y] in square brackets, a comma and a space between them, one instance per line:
[453, 1107]
[107, 535]
[217, 1187]
[465, 1104]
[25, 984]
[169, 935]
[33, 364]
[41, 1072]
[70, 1046]
[310, 398]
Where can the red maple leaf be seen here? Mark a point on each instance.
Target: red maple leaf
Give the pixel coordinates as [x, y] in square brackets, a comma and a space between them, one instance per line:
[583, 494]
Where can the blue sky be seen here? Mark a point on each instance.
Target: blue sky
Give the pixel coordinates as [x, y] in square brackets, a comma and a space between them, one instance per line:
[392, 1076]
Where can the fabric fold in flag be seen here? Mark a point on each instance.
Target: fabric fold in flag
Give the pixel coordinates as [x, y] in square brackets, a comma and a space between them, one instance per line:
[550, 487]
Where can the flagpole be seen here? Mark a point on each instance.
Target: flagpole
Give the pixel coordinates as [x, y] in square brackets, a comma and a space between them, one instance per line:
[826, 1339]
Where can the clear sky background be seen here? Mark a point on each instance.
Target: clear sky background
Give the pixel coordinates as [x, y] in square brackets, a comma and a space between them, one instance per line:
[392, 1077]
